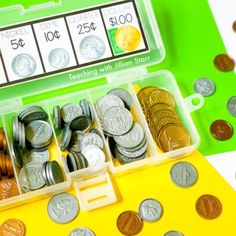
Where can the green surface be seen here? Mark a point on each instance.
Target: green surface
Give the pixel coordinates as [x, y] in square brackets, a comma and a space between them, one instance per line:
[192, 41]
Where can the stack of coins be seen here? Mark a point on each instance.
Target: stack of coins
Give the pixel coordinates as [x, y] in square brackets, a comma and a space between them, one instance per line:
[32, 135]
[128, 137]
[85, 145]
[159, 108]
[8, 186]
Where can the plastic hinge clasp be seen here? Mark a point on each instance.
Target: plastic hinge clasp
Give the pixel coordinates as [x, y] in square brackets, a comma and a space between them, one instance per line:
[95, 192]
[190, 102]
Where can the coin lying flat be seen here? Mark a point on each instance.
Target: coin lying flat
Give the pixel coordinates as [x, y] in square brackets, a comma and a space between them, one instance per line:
[129, 223]
[24, 65]
[58, 58]
[36, 156]
[82, 231]
[12, 227]
[208, 207]
[63, 208]
[128, 38]
[205, 87]
[221, 130]
[8, 188]
[231, 106]
[70, 111]
[150, 210]
[224, 63]
[92, 139]
[92, 48]
[184, 174]
[173, 233]
[123, 95]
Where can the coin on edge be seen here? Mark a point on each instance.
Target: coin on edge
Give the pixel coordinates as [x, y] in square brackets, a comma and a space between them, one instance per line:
[129, 223]
[208, 207]
[221, 130]
[12, 227]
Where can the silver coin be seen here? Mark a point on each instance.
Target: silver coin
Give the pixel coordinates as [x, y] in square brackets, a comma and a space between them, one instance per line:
[70, 111]
[24, 65]
[65, 138]
[38, 133]
[184, 174]
[16, 154]
[231, 105]
[92, 48]
[117, 121]
[106, 102]
[92, 139]
[150, 210]
[63, 208]
[82, 231]
[94, 155]
[173, 233]
[131, 139]
[34, 156]
[57, 117]
[15, 122]
[53, 173]
[81, 123]
[123, 95]
[58, 58]
[30, 176]
[205, 87]
[75, 143]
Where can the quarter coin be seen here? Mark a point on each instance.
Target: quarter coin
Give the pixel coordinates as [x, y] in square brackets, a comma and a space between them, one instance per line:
[129, 223]
[123, 95]
[184, 174]
[208, 207]
[12, 227]
[82, 231]
[58, 58]
[24, 65]
[63, 208]
[231, 105]
[205, 87]
[173, 233]
[94, 155]
[221, 130]
[8, 188]
[92, 139]
[224, 63]
[150, 210]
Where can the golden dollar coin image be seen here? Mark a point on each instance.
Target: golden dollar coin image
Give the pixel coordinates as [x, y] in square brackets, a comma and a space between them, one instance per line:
[128, 38]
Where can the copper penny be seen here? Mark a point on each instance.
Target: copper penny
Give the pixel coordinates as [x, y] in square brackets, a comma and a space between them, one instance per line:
[3, 141]
[224, 63]
[234, 26]
[208, 207]
[9, 167]
[3, 166]
[221, 130]
[8, 188]
[129, 223]
[12, 227]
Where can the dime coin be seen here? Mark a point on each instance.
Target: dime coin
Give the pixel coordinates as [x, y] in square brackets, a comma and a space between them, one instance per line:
[63, 208]
[36, 156]
[221, 130]
[208, 207]
[12, 227]
[94, 155]
[58, 58]
[123, 95]
[231, 105]
[8, 188]
[117, 121]
[150, 210]
[70, 111]
[30, 176]
[92, 48]
[173, 233]
[92, 139]
[205, 87]
[128, 38]
[184, 174]
[82, 231]
[172, 137]
[129, 223]
[24, 65]
[224, 63]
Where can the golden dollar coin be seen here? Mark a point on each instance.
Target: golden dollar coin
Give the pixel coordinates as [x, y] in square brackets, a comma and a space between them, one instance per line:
[128, 38]
[161, 110]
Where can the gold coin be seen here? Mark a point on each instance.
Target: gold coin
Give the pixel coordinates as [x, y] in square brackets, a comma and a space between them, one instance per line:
[128, 38]
[159, 108]
[172, 137]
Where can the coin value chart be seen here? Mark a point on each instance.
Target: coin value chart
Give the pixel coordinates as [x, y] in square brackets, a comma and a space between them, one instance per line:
[70, 41]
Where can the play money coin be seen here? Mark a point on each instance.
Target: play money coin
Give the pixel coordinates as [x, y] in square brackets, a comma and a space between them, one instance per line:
[12, 227]
[231, 106]
[63, 208]
[184, 174]
[58, 58]
[205, 87]
[128, 38]
[82, 231]
[173, 233]
[221, 130]
[150, 210]
[208, 207]
[224, 63]
[92, 48]
[8, 188]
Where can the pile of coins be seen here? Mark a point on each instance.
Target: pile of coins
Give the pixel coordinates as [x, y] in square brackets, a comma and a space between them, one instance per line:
[8, 186]
[32, 135]
[84, 144]
[160, 110]
[125, 137]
